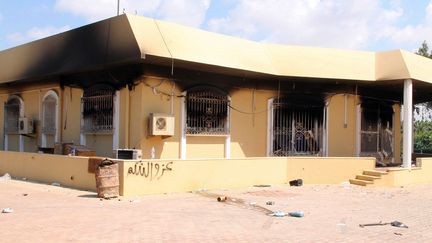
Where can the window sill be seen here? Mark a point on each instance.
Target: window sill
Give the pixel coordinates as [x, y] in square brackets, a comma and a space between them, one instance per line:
[207, 135]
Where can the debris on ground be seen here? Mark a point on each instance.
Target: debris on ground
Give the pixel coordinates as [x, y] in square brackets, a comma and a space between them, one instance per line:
[393, 223]
[7, 210]
[25, 194]
[262, 185]
[270, 203]
[298, 214]
[5, 177]
[55, 184]
[297, 182]
[221, 199]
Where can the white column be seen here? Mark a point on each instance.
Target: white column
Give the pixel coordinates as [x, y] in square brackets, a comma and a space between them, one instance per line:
[228, 147]
[358, 130]
[116, 121]
[21, 143]
[270, 127]
[407, 123]
[6, 142]
[182, 128]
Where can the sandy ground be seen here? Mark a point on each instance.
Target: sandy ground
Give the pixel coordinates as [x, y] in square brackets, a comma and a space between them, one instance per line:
[45, 213]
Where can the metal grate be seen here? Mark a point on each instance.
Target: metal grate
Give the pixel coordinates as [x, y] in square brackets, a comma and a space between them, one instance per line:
[12, 112]
[207, 113]
[297, 130]
[49, 115]
[377, 131]
[98, 109]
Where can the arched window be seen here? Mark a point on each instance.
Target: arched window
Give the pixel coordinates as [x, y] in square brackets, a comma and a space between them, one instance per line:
[98, 109]
[49, 111]
[13, 110]
[207, 112]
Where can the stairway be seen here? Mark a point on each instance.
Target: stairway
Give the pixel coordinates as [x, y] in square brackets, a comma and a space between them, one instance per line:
[368, 177]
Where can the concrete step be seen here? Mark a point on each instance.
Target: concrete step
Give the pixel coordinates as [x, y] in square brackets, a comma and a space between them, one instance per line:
[360, 182]
[367, 177]
[374, 173]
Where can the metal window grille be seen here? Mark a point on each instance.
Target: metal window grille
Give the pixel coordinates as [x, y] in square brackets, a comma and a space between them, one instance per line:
[377, 131]
[98, 109]
[297, 130]
[49, 106]
[12, 112]
[207, 113]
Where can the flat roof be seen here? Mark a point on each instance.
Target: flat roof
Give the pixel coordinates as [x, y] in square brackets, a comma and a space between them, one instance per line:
[133, 39]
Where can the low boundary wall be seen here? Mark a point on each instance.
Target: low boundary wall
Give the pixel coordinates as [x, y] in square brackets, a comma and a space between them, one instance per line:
[165, 176]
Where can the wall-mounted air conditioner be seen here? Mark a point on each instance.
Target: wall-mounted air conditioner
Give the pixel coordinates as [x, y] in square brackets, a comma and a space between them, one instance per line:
[25, 125]
[161, 124]
[129, 154]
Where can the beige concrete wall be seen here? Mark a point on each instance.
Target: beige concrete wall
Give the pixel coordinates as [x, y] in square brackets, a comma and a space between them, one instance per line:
[162, 176]
[71, 113]
[341, 139]
[69, 171]
[321, 170]
[249, 131]
[188, 175]
[403, 177]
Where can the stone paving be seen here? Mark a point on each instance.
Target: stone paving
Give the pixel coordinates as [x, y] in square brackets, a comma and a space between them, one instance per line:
[45, 213]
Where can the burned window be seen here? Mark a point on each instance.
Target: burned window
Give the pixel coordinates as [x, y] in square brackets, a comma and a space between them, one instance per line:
[207, 112]
[49, 111]
[98, 109]
[12, 113]
[377, 130]
[297, 127]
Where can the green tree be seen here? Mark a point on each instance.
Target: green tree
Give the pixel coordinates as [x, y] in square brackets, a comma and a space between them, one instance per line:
[423, 128]
[424, 50]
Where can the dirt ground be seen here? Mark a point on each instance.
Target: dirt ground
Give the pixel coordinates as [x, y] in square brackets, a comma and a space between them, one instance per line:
[332, 213]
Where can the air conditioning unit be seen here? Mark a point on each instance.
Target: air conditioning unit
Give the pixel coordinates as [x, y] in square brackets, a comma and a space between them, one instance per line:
[25, 125]
[129, 154]
[161, 124]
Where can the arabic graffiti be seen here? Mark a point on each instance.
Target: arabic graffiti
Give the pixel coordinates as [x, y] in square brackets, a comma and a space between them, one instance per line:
[151, 170]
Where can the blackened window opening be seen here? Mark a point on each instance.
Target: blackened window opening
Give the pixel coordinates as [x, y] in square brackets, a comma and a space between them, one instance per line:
[207, 112]
[12, 112]
[98, 109]
[377, 131]
[49, 106]
[297, 128]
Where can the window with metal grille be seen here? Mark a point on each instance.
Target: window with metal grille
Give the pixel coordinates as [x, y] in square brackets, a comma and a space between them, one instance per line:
[49, 110]
[297, 129]
[377, 130]
[207, 112]
[98, 109]
[12, 113]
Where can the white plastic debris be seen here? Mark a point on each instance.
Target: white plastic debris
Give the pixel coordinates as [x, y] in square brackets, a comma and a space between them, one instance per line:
[5, 177]
[55, 184]
[7, 210]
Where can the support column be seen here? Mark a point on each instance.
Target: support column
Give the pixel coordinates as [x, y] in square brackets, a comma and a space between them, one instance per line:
[182, 128]
[407, 123]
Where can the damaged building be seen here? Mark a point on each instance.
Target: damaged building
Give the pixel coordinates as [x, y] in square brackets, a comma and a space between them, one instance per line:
[176, 92]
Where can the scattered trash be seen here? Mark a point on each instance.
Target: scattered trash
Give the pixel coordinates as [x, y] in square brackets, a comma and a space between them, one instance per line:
[398, 224]
[262, 185]
[135, 201]
[221, 199]
[270, 203]
[397, 233]
[252, 203]
[25, 194]
[7, 210]
[5, 177]
[55, 184]
[278, 214]
[298, 182]
[298, 214]
[394, 223]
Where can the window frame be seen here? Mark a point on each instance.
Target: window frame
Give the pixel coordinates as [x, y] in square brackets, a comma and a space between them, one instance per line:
[99, 91]
[203, 131]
